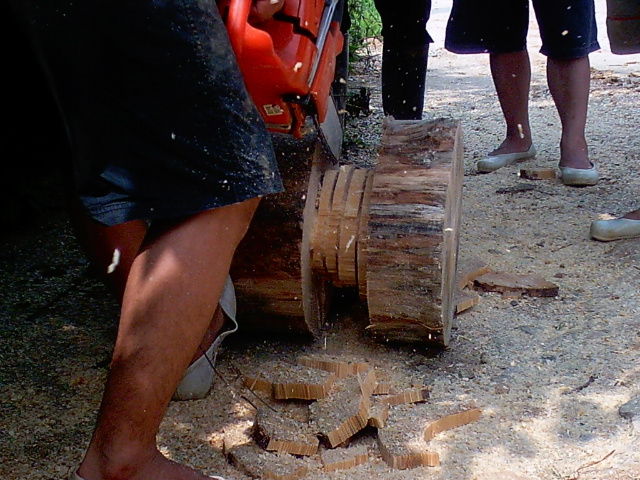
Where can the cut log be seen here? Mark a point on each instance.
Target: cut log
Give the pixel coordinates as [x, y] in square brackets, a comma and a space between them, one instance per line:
[392, 234]
[346, 410]
[344, 458]
[413, 231]
[277, 433]
[256, 463]
[532, 285]
[277, 289]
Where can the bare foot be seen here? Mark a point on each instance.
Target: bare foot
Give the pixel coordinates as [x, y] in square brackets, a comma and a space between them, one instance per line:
[574, 154]
[157, 468]
[512, 145]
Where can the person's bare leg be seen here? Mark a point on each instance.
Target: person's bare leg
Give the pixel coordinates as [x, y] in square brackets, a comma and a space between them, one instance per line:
[99, 243]
[511, 74]
[569, 86]
[172, 292]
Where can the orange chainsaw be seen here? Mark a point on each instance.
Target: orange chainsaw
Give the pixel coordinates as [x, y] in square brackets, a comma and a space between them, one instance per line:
[289, 64]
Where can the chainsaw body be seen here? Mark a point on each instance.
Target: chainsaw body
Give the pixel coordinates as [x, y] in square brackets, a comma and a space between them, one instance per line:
[289, 61]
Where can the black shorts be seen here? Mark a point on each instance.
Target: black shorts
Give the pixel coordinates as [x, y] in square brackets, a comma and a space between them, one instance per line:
[567, 27]
[159, 120]
[405, 21]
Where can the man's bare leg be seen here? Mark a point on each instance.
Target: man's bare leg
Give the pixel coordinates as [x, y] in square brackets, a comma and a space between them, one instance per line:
[100, 242]
[511, 74]
[172, 292]
[569, 82]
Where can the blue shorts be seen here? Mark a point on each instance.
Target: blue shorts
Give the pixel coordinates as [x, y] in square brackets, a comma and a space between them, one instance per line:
[567, 27]
[160, 123]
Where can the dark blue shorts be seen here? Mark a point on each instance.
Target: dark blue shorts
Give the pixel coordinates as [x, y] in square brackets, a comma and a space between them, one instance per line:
[160, 123]
[567, 27]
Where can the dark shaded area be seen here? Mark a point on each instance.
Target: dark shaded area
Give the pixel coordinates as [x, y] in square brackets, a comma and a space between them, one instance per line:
[35, 178]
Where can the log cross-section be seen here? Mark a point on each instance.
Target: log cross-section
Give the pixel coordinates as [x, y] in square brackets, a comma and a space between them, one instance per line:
[413, 231]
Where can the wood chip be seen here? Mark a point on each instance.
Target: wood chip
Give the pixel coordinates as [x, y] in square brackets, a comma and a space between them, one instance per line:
[289, 381]
[465, 299]
[334, 364]
[378, 413]
[344, 458]
[538, 173]
[277, 433]
[451, 421]
[532, 285]
[414, 395]
[468, 270]
[346, 410]
[401, 441]
[382, 388]
[256, 463]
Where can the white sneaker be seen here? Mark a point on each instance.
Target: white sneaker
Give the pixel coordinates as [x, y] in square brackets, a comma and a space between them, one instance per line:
[198, 378]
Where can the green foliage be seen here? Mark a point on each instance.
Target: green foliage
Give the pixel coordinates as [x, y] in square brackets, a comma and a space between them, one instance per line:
[365, 24]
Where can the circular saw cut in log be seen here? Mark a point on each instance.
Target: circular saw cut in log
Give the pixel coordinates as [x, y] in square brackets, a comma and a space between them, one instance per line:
[391, 233]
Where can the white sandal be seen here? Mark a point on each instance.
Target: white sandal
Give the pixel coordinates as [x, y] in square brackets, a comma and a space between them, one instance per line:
[198, 378]
[615, 229]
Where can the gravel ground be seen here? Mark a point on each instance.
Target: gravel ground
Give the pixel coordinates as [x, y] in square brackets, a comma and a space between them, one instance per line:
[548, 374]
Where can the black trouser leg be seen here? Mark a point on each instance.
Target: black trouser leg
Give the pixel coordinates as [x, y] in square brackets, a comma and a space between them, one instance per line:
[404, 71]
[404, 56]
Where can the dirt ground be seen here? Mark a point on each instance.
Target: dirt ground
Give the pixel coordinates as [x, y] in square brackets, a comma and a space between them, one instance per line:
[548, 374]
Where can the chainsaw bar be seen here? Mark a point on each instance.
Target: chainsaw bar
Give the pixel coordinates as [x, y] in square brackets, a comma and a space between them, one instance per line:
[331, 132]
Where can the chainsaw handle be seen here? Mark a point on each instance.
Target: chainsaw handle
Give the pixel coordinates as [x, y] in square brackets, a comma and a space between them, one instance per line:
[237, 22]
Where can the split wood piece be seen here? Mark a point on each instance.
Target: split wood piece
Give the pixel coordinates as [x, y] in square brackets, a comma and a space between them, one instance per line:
[466, 299]
[538, 173]
[414, 395]
[276, 287]
[378, 413]
[468, 270]
[325, 199]
[289, 381]
[401, 441]
[363, 232]
[334, 364]
[532, 285]
[414, 230]
[336, 232]
[346, 410]
[332, 232]
[256, 463]
[344, 458]
[277, 433]
[451, 421]
[349, 230]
